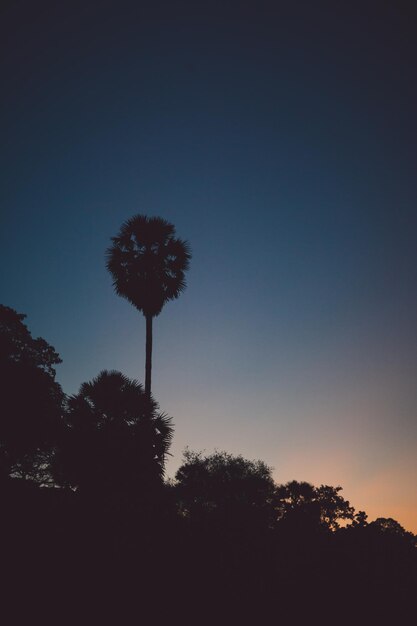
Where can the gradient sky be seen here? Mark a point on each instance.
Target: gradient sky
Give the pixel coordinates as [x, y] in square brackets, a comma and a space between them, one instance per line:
[281, 142]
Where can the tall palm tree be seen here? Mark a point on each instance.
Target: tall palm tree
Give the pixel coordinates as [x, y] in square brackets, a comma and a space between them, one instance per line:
[148, 264]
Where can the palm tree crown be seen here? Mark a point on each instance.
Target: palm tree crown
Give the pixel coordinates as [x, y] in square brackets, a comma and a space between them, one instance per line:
[148, 263]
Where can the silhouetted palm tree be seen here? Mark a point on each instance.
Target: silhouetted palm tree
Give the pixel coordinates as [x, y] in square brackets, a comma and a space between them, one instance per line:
[148, 266]
[115, 436]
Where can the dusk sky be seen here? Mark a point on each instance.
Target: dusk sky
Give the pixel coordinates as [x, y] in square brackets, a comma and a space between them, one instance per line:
[280, 140]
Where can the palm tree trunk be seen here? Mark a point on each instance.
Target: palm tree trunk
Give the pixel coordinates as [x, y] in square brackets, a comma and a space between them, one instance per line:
[148, 365]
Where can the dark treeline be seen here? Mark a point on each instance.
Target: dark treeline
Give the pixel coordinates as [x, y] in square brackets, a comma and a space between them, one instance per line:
[92, 530]
[91, 527]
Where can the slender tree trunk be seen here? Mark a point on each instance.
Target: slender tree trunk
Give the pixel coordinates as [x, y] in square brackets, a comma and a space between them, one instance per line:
[148, 366]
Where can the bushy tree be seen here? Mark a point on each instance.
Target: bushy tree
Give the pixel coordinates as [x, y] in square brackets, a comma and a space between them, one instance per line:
[18, 346]
[391, 529]
[302, 503]
[31, 400]
[225, 488]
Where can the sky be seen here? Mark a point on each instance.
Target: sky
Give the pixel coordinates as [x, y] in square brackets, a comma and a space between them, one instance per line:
[280, 140]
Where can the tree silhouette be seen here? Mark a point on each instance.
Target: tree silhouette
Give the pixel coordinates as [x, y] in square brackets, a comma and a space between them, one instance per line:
[31, 400]
[391, 528]
[300, 503]
[226, 489]
[115, 439]
[148, 267]
[18, 346]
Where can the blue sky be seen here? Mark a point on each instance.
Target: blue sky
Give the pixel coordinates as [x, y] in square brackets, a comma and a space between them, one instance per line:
[281, 144]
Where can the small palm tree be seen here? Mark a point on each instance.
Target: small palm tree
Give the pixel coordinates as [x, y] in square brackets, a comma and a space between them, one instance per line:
[114, 438]
[148, 267]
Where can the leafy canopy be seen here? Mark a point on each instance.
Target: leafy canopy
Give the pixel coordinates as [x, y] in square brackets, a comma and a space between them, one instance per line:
[302, 502]
[31, 399]
[18, 346]
[225, 487]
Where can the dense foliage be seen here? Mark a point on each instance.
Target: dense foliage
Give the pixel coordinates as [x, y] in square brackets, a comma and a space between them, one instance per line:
[31, 400]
